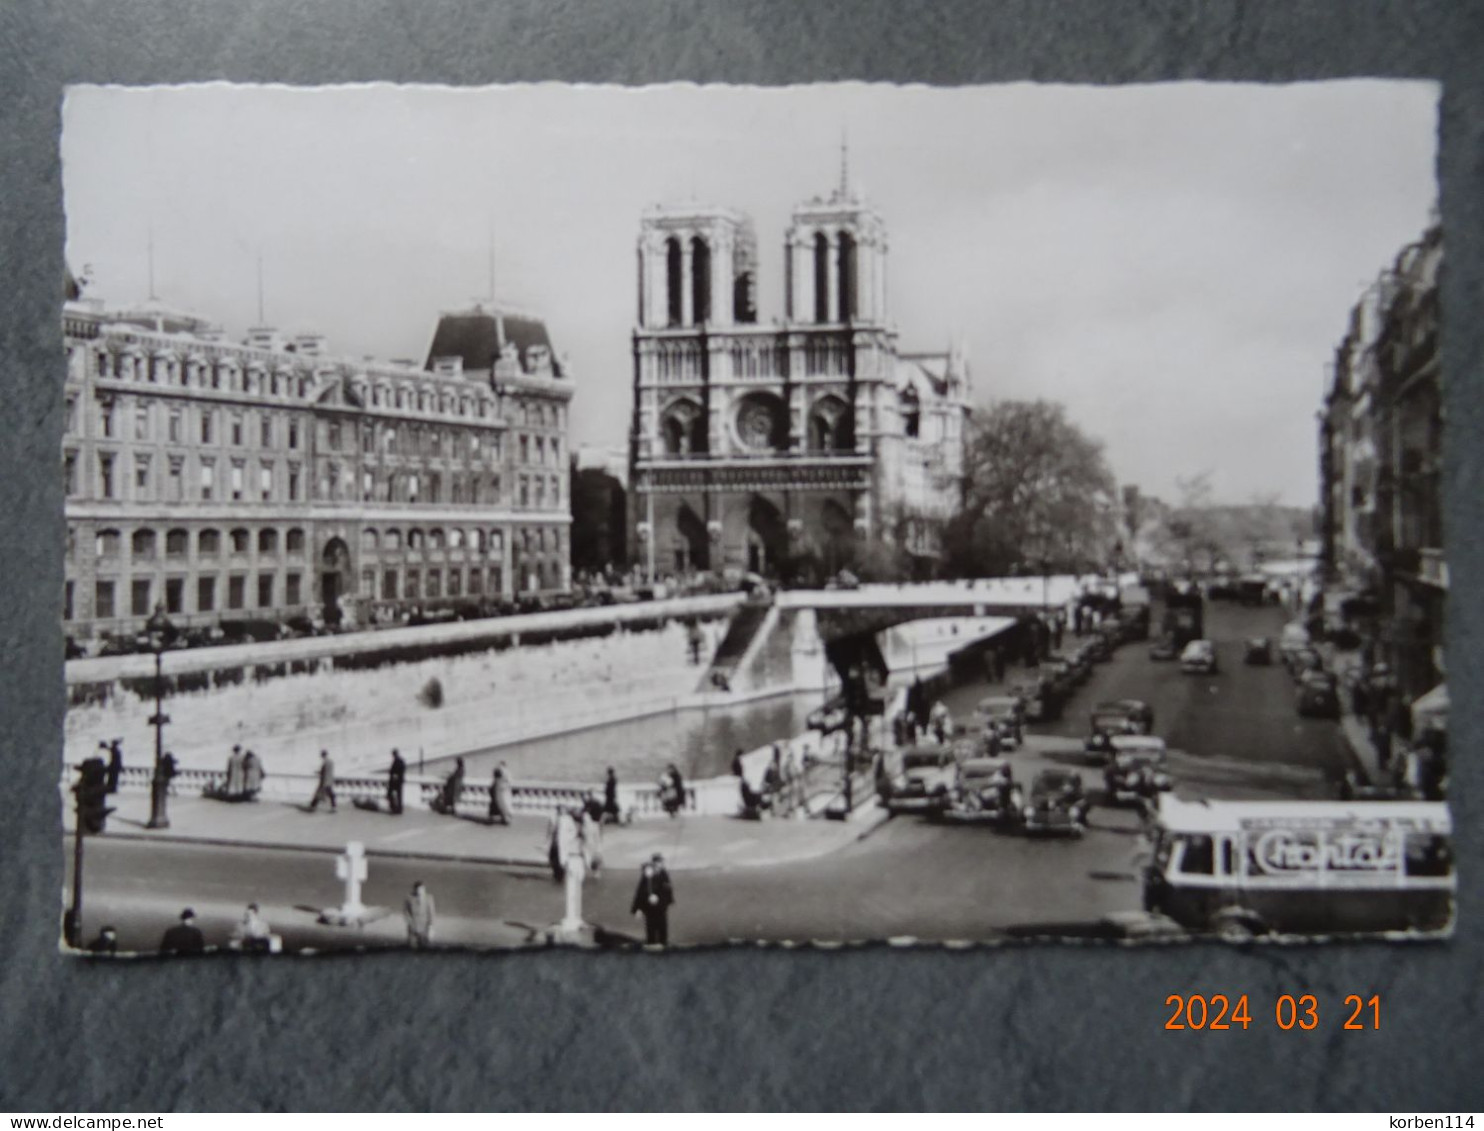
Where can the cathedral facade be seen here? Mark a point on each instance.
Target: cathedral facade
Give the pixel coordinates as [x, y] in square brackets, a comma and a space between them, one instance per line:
[787, 448]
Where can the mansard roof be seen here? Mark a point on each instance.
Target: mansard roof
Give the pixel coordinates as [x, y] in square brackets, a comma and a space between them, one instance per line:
[477, 336]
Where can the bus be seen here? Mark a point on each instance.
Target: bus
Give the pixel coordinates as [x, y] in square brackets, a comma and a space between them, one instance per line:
[1245, 868]
[1184, 615]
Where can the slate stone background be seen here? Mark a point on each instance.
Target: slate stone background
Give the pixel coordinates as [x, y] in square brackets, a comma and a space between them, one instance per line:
[1037, 1027]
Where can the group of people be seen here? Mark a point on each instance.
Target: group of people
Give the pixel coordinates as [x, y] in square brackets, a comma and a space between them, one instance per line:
[782, 791]
[244, 780]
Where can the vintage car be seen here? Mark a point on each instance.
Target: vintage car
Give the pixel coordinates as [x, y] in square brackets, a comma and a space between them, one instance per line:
[1257, 650]
[1100, 648]
[926, 782]
[1302, 660]
[1136, 772]
[1006, 714]
[1199, 657]
[1164, 648]
[1119, 716]
[986, 792]
[1293, 637]
[1318, 695]
[1057, 804]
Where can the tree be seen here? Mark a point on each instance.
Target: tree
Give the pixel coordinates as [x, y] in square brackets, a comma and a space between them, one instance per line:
[1037, 493]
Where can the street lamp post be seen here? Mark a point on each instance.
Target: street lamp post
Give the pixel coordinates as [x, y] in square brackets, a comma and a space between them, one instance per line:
[160, 630]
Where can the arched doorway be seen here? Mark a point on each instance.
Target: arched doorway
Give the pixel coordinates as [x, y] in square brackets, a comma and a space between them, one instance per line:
[334, 578]
[767, 537]
[837, 537]
[693, 552]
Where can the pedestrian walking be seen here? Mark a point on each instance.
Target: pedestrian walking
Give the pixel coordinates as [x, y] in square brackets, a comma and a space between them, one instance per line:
[611, 811]
[185, 937]
[500, 796]
[737, 763]
[252, 933]
[453, 789]
[325, 790]
[672, 790]
[419, 913]
[653, 899]
[396, 780]
[115, 764]
[252, 775]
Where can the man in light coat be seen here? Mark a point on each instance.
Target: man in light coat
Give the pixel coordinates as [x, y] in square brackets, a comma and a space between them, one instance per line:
[419, 913]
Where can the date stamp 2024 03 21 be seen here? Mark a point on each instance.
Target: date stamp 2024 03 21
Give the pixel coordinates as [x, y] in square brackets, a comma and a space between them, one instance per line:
[1219, 1011]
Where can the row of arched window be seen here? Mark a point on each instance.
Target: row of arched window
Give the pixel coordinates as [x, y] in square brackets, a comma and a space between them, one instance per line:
[435, 538]
[145, 544]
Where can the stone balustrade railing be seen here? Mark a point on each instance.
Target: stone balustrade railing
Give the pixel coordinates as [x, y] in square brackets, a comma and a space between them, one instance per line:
[635, 801]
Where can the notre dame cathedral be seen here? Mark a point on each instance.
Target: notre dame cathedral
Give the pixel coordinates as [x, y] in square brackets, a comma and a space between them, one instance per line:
[784, 447]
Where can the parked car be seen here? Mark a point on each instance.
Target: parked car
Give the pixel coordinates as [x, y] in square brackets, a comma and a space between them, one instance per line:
[1318, 695]
[1199, 657]
[1006, 714]
[1136, 770]
[926, 782]
[1302, 660]
[1057, 804]
[986, 792]
[1163, 648]
[1294, 637]
[1258, 650]
[1119, 716]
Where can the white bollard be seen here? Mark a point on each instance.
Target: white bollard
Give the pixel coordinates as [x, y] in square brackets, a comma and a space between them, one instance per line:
[351, 867]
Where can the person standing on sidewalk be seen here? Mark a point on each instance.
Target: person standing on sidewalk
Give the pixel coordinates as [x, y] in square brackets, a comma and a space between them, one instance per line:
[500, 804]
[252, 775]
[653, 899]
[185, 937]
[419, 913]
[325, 791]
[396, 780]
[115, 763]
[611, 812]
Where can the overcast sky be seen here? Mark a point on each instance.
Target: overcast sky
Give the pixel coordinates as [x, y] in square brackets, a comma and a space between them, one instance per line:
[1175, 263]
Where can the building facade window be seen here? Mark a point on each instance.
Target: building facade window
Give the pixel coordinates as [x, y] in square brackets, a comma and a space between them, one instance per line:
[293, 482]
[265, 482]
[208, 479]
[293, 434]
[141, 422]
[205, 594]
[206, 423]
[241, 541]
[142, 546]
[69, 473]
[294, 543]
[238, 474]
[177, 544]
[291, 589]
[265, 590]
[236, 591]
[175, 595]
[141, 476]
[267, 541]
[106, 420]
[174, 426]
[139, 602]
[389, 585]
[177, 479]
[237, 431]
[105, 476]
[208, 543]
[103, 600]
[265, 431]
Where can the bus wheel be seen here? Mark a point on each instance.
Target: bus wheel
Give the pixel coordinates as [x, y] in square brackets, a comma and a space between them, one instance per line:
[1235, 928]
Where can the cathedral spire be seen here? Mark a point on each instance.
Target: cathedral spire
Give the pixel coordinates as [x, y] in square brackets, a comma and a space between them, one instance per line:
[844, 164]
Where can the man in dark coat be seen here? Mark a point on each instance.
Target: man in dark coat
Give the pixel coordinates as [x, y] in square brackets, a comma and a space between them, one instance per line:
[185, 937]
[611, 811]
[115, 764]
[325, 790]
[652, 899]
[395, 779]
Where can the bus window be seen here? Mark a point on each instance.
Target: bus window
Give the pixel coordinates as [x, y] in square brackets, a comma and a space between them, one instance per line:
[1229, 865]
[1199, 857]
[1428, 855]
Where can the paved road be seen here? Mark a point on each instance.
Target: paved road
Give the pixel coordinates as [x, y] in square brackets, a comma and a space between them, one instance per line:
[1234, 734]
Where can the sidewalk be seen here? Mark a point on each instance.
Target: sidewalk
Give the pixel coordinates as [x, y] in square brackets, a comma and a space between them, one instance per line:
[1357, 734]
[687, 842]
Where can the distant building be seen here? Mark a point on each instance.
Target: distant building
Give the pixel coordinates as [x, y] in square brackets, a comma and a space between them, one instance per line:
[1380, 443]
[783, 448]
[269, 479]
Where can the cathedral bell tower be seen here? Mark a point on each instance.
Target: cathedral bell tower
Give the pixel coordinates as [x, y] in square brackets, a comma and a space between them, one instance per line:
[697, 266]
[835, 260]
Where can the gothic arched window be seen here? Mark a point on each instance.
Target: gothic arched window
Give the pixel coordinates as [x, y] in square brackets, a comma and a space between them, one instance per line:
[673, 281]
[700, 281]
[821, 278]
[847, 262]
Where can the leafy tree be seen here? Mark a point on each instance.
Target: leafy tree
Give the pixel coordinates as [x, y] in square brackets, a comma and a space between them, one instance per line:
[1037, 493]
